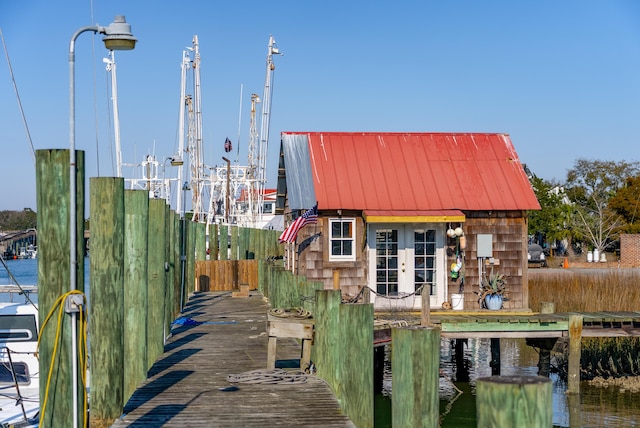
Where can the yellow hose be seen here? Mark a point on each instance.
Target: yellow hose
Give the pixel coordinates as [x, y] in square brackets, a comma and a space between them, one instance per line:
[82, 351]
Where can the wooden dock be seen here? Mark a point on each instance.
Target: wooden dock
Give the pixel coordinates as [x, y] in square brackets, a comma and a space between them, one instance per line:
[188, 387]
[513, 324]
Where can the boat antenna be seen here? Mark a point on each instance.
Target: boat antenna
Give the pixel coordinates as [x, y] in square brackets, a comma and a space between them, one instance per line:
[15, 88]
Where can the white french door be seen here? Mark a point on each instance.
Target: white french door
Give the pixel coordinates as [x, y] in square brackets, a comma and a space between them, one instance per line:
[406, 263]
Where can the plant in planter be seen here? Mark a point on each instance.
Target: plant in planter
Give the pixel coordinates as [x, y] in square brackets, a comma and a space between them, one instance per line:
[492, 291]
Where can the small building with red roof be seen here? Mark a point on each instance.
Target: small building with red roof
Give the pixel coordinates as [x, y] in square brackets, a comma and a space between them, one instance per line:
[404, 215]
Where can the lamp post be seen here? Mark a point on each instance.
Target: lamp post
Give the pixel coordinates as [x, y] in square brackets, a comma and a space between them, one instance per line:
[117, 37]
[175, 161]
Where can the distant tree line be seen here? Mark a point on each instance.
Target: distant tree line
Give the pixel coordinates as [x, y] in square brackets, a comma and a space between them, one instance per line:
[18, 220]
[598, 201]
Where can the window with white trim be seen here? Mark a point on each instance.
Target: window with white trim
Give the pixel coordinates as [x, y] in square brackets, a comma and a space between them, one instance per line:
[342, 239]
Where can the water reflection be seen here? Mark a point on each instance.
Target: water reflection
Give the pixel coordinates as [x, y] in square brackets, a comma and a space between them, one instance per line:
[594, 407]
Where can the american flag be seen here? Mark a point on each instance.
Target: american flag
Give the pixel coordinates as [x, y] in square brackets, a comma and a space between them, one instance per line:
[290, 233]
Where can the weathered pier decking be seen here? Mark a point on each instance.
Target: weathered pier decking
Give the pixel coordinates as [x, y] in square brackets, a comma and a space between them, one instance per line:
[514, 324]
[185, 386]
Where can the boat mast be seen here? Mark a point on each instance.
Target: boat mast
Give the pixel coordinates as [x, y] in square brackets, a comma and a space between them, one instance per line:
[184, 66]
[111, 68]
[264, 133]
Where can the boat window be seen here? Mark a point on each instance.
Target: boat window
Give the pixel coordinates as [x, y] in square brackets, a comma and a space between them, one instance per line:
[18, 328]
[21, 370]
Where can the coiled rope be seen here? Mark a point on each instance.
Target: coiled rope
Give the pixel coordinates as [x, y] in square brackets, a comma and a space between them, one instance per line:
[299, 313]
[268, 377]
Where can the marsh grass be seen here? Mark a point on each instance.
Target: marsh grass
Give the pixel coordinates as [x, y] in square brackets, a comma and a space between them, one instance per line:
[593, 290]
[585, 290]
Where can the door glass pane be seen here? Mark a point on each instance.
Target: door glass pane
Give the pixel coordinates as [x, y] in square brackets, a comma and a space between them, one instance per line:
[387, 262]
[425, 260]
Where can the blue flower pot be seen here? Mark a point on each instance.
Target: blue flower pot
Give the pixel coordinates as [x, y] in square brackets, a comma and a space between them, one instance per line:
[493, 302]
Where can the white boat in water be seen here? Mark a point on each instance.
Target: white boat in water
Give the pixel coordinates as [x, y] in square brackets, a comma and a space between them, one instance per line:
[19, 368]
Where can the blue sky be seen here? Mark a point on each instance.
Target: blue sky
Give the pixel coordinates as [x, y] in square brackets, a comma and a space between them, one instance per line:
[561, 77]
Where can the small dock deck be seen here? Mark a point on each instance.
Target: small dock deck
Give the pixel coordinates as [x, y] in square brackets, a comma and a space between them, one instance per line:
[226, 336]
[513, 324]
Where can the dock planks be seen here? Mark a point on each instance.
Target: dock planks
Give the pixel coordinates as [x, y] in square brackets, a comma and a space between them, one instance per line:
[523, 324]
[183, 388]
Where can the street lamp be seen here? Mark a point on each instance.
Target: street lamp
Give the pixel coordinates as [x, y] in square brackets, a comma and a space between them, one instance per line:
[175, 161]
[117, 37]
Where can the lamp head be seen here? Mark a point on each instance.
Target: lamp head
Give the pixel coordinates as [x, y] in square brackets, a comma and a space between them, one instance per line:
[177, 161]
[118, 35]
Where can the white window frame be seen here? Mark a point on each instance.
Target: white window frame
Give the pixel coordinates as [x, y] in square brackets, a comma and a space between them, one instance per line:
[342, 258]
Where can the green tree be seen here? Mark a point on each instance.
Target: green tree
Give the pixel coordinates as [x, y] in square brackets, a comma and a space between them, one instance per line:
[590, 186]
[18, 220]
[554, 216]
[626, 203]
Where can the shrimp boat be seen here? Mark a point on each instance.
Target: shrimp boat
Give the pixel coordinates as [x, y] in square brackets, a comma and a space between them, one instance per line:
[19, 368]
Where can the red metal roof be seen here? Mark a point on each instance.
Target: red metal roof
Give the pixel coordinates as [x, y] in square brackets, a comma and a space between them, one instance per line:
[417, 171]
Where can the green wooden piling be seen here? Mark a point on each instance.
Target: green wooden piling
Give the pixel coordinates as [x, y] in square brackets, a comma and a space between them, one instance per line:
[107, 294]
[356, 370]
[244, 243]
[136, 256]
[177, 274]
[224, 242]
[234, 243]
[214, 250]
[575, 349]
[326, 346]
[54, 261]
[170, 272]
[157, 279]
[201, 252]
[415, 359]
[190, 253]
[255, 244]
[513, 401]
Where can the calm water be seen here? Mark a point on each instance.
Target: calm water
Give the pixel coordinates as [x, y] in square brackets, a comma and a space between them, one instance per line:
[594, 407]
[25, 272]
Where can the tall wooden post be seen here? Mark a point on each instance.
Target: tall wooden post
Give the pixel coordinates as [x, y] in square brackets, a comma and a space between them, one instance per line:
[136, 253]
[54, 272]
[107, 294]
[177, 263]
[575, 349]
[157, 279]
[514, 401]
[495, 356]
[415, 362]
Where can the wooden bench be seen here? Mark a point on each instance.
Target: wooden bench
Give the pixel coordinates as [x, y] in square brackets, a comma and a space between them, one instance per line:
[278, 327]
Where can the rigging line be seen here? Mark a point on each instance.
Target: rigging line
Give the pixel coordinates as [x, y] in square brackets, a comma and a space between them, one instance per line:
[15, 88]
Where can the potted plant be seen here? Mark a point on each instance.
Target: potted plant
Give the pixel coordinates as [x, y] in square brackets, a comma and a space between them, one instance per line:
[492, 291]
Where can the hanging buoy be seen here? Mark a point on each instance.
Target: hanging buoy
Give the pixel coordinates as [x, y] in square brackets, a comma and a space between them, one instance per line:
[463, 242]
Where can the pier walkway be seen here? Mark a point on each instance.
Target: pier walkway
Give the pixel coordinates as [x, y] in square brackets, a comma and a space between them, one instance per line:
[187, 386]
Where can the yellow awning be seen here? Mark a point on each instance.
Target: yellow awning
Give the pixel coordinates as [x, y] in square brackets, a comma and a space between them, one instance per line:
[428, 216]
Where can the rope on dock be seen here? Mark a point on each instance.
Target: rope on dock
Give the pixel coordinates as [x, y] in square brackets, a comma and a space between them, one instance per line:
[275, 376]
[300, 313]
